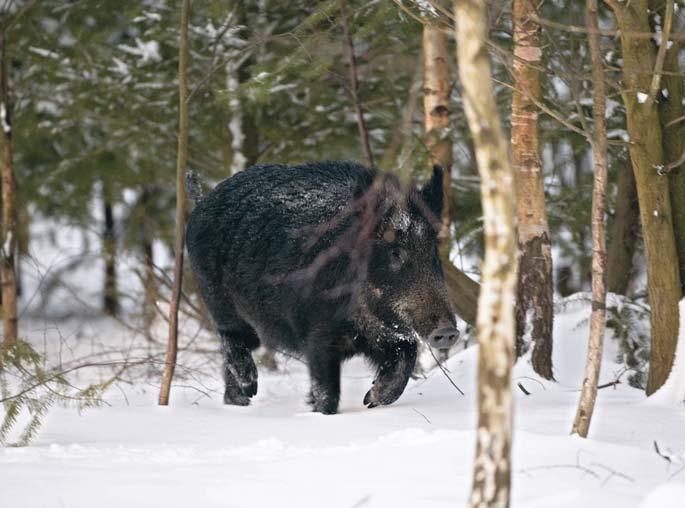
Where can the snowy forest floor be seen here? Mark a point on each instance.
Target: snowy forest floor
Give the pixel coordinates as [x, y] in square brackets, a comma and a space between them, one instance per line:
[417, 452]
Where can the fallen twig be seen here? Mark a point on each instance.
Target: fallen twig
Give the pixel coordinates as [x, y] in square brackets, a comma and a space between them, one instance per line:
[424, 416]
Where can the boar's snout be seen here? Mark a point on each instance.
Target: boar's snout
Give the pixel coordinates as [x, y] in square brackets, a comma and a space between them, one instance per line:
[443, 338]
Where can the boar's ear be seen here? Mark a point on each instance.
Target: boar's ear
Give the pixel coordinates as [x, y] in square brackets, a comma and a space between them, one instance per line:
[432, 193]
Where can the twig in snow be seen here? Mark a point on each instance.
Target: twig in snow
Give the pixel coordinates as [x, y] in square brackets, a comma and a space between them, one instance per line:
[424, 416]
[584, 469]
[522, 388]
[612, 473]
[444, 371]
[661, 454]
[533, 379]
[676, 473]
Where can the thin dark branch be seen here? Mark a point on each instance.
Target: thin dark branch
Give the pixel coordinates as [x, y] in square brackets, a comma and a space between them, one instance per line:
[661, 454]
[444, 371]
[424, 416]
[523, 389]
[354, 86]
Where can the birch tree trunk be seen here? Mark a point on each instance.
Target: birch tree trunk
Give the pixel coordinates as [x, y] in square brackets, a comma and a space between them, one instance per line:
[244, 135]
[534, 302]
[9, 208]
[437, 113]
[588, 394]
[235, 124]
[496, 327]
[640, 85]
[182, 157]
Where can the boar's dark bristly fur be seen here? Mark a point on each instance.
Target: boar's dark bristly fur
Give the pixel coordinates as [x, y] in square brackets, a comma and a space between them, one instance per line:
[327, 260]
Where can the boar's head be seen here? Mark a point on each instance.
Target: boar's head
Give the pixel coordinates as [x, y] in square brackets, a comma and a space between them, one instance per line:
[404, 296]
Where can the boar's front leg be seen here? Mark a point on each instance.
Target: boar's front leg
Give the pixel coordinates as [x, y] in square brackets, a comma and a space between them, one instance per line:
[240, 371]
[323, 359]
[395, 361]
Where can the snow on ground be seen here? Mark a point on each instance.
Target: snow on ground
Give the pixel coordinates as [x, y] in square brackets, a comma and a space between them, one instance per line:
[416, 452]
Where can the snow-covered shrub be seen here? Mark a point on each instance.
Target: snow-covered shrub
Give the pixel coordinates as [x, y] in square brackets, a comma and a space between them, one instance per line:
[629, 320]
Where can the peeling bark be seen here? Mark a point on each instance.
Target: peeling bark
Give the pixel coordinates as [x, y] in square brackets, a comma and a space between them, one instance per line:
[495, 323]
[535, 304]
[534, 294]
[437, 111]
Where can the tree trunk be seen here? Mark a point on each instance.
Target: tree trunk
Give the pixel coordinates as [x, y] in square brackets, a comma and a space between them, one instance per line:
[149, 279]
[534, 302]
[182, 157]
[463, 292]
[437, 111]
[671, 111]
[623, 233]
[242, 125]
[354, 85]
[496, 326]
[9, 209]
[109, 252]
[235, 124]
[646, 153]
[23, 241]
[588, 394]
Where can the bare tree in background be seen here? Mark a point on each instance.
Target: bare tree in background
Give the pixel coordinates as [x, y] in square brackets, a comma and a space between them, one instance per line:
[354, 84]
[496, 326]
[182, 157]
[623, 232]
[436, 104]
[534, 301]
[9, 205]
[110, 293]
[588, 394]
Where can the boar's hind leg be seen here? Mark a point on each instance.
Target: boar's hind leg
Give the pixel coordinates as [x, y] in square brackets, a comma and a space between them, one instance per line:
[240, 371]
[323, 359]
[395, 363]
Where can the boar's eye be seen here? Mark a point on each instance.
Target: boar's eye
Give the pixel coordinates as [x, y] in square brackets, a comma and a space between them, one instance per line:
[398, 256]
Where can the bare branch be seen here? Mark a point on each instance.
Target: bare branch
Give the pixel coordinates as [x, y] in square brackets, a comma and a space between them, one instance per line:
[661, 55]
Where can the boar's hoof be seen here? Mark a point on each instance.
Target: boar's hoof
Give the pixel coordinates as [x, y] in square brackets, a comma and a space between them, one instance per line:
[241, 381]
[382, 394]
[234, 396]
[323, 403]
